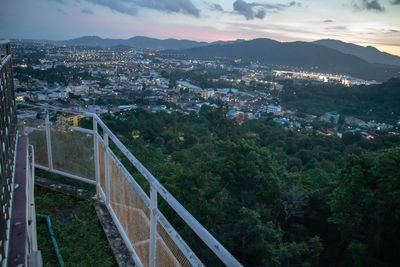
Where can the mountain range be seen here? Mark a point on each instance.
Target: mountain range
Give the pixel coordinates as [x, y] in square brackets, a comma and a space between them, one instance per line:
[321, 56]
[141, 42]
[368, 53]
[307, 56]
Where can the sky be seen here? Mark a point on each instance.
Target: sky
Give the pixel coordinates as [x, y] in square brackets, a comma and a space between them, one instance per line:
[363, 22]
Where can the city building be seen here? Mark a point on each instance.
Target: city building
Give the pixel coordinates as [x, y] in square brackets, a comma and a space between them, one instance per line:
[274, 109]
[18, 241]
[331, 116]
[71, 120]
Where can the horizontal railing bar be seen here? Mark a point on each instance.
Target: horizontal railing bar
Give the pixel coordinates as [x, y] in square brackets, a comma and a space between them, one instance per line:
[79, 129]
[41, 167]
[74, 128]
[47, 107]
[66, 174]
[210, 241]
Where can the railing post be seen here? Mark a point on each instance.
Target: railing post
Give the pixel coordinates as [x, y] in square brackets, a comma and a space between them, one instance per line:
[96, 157]
[106, 169]
[48, 143]
[153, 227]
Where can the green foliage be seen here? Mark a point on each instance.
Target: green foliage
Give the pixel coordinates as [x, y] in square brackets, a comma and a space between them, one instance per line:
[263, 192]
[375, 102]
[366, 205]
[201, 77]
[59, 74]
[358, 253]
[77, 230]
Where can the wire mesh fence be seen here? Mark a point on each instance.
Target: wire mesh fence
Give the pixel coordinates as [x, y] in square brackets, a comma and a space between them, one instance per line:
[94, 154]
[59, 147]
[102, 177]
[130, 204]
[37, 137]
[72, 151]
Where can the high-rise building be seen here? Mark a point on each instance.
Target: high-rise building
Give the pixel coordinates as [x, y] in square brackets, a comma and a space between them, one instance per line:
[18, 245]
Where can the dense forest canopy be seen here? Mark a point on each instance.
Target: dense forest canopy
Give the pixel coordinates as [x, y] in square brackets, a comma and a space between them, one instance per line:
[58, 74]
[379, 102]
[273, 197]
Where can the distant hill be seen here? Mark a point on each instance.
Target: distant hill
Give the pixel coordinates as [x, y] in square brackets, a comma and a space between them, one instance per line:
[94, 41]
[309, 56]
[139, 42]
[368, 53]
[142, 42]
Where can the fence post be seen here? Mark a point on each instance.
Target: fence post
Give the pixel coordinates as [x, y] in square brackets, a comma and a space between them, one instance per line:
[96, 157]
[106, 169]
[153, 227]
[48, 143]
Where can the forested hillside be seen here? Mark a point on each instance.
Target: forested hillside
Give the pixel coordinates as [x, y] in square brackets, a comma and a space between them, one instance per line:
[273, 197]
[308, 56]
[379, 102]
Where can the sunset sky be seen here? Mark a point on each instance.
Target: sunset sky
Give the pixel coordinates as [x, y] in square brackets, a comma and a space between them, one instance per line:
[364, 22]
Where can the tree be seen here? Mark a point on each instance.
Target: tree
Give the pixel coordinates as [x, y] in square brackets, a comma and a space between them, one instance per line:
[366, 205]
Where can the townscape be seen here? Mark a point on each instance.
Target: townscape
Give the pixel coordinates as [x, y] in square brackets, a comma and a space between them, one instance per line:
[111, 80]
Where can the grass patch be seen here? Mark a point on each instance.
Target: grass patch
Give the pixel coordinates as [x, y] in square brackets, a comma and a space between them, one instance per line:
[77, 229]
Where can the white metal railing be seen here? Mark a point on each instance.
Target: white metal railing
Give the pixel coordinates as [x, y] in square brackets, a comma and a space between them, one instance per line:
[128, 204]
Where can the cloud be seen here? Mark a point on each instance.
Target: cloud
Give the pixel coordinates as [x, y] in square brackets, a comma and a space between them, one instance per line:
[254, 10]
[216, 7]
[120, 6]
[373, 5]
[60, 1]
[131, 7]
[395, 2]
[260, 14]
[244, 9]
[294, 3]
[87, 11]
[336, 28]
[328, 21]
[173, 6]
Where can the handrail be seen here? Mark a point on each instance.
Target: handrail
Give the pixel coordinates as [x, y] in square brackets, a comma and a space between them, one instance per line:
[218, 249]
[210, 241]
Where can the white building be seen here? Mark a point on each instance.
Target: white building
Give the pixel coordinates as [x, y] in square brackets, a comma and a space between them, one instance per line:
[274, 109]
[191, 87]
